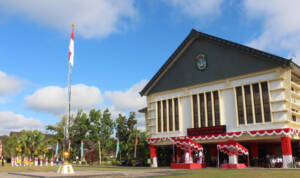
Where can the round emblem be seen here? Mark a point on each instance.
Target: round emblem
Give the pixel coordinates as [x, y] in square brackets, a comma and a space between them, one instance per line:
[201, 62]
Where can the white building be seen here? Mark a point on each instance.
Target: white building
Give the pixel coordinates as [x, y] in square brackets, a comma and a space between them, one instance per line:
[212, 90]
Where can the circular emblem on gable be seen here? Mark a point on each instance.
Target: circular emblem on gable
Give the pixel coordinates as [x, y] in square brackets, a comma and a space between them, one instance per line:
[201, 62]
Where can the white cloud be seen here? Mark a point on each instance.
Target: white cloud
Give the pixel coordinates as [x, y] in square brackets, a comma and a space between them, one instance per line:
[128, 100]
[93, 18]
[10, 121]
[53, 99]
[197, 8]
[9, 86]
[281, 27]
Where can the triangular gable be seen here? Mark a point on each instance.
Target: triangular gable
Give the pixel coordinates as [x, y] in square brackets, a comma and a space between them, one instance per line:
[224, 59]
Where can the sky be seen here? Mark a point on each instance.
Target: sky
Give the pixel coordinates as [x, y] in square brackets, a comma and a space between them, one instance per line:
[119, 46]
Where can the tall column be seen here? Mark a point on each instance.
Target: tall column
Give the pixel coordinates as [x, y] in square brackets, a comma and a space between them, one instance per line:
[153, 155]
[286, 148]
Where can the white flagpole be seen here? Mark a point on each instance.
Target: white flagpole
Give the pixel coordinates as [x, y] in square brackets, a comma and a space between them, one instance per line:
[69, 103]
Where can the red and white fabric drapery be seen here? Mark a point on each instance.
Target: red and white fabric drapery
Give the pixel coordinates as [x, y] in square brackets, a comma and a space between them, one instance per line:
[231, 135]
[232, 148]
[187, 144]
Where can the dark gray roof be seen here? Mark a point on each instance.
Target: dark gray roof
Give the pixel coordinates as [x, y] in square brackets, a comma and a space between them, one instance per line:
[199, 35]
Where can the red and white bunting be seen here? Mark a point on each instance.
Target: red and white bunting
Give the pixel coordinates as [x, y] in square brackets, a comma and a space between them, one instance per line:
[230, 135]
[232, 148]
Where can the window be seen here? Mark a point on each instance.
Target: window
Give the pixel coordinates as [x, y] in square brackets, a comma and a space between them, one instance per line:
[216, 107]
[202, 110]
[240, 106]
[158, 116]
[260, 103]
[257, 105]
[176, 114]
[167, 114]
[248, 104]
[209, 108]
[170, 115]
[195, 110]
[266, 103]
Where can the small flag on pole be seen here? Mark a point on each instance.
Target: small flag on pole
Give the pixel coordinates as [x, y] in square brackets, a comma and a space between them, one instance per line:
[71, 48]
[135, 146]
[81, 149]
[56, 150]
[118, 147]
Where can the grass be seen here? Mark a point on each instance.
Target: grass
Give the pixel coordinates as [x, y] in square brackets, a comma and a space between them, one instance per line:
[241, 173]
[200, 173]
[8, 168]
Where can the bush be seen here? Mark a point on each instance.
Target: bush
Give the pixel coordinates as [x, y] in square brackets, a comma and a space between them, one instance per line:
[116, 162]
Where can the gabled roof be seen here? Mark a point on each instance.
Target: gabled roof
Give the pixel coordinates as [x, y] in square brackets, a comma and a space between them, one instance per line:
[193, 35]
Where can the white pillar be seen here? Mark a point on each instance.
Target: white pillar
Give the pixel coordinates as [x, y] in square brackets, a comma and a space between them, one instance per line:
[233, 159]
[154, 162]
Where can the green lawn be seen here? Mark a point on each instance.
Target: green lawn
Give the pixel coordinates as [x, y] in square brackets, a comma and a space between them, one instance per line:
[201, 173]
[242, 173]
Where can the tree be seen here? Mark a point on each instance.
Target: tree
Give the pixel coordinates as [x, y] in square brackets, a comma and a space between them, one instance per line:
[33, 143]
[9, 146]
[126, 131]
[78, 131]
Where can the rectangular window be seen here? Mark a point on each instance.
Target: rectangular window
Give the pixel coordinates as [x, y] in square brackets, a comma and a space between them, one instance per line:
[266, 102]
[257, 105]
[216, 107]
[209, 109]
[176, 110]
[248, 104]
[165, 116]
[170, 115]
[240, 107]
[202, 110]
[158, 116]
[195, 110]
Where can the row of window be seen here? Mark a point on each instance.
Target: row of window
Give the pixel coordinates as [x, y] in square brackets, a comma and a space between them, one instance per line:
[206, 109]
[253, 103]
[167, 115]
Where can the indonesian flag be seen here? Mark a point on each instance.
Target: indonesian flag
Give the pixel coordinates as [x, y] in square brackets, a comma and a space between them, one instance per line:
[71, 49]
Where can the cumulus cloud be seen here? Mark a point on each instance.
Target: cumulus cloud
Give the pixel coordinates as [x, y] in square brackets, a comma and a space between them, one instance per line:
[93, 18]
[281, 27]
[124, 101]
[53, 99]
[197, 8]
[128, 99]
[9, 84]
[10, 121]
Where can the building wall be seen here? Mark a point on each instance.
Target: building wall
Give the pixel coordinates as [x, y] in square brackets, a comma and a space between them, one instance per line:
[279, 93]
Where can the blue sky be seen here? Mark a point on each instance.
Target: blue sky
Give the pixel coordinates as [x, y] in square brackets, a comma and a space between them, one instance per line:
[119, 46]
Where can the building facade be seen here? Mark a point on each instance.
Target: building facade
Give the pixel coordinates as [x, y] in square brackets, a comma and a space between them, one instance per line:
[212, 90]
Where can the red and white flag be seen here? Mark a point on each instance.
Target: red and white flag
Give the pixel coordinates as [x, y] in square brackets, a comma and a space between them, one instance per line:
[71, 49]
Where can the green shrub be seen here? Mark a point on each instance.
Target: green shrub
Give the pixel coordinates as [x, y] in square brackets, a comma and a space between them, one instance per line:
[115, 162]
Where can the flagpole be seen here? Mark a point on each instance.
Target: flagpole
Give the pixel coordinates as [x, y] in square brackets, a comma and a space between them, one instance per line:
[69, 103]
[67, 168]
